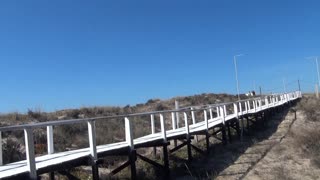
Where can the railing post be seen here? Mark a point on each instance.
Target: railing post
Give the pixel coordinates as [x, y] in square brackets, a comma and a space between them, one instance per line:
[193, 116]
[93, 149]
[177, 114]
[174, 125]
[240, 107]
[235, 109]
[186, 123]
[224, 135]
[194, 120]
[188, 136]
[205, 114]
[153, 130]
[173, 121]
[1, 160]
[132, 151]
[31, 162]
[260, 104]
[163, 128]
[225, 110]
[129, 138]
[246, 106]
[50, 140]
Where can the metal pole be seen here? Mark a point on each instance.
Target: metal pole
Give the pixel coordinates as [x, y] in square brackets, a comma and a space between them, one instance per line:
[235, 66]
[318, 71]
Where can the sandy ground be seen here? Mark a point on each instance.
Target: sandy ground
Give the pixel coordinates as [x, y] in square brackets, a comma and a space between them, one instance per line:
[285, 160]
[269, 153]
[276, 157]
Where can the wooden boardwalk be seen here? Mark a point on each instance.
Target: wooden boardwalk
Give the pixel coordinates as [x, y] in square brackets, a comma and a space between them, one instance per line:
[204, 118]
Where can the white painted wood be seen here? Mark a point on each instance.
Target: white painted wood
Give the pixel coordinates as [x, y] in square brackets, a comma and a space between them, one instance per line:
[225, 110]
[193, 116]
[211, 112]
[206, 119]
[153, 129]
[163, 128]
[222, 114]
[177, 114]
[218, 112]
[254, 105]
[1, 160]
[266, 101]
[173, 120]
[50, 140]
[247, 106]
[240, 107]
[129, 137]
[186, 123]
[29, 143]
[235, 109]
[92, 139]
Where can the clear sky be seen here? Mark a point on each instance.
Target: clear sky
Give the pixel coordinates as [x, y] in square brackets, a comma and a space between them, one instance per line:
[67, 54]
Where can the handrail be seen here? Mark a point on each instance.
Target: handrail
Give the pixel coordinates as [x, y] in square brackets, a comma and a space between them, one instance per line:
[76, 121]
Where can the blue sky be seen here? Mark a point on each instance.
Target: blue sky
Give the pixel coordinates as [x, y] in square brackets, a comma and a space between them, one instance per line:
[68, 54]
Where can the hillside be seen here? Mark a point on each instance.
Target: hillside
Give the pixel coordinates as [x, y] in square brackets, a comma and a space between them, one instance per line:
[107, 131]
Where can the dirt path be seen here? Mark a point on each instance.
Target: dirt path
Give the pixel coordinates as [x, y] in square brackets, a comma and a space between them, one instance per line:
[276, 157]
[285, 160]
[247, 162]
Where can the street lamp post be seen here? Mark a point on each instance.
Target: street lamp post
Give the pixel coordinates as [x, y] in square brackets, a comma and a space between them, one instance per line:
[236, 70]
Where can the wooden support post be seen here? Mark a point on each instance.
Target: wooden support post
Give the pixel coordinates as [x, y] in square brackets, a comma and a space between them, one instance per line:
[1, 160]
[153, 130]
[229, 131]
[93, 149]
[223, 128]
[188, 137]
[166, 161]
[132, 160]
[31, 163]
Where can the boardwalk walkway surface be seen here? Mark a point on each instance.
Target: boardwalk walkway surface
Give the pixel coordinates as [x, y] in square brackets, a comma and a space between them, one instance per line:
[217, 115]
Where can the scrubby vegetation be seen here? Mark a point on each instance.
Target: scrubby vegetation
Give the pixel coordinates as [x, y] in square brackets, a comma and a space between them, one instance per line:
[308, 138]
[108, 130]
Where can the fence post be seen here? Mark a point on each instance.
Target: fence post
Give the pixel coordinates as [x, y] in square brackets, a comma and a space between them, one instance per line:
[31, 162]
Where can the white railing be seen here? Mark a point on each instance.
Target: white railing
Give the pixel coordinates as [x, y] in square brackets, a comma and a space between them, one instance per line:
[235, 109]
